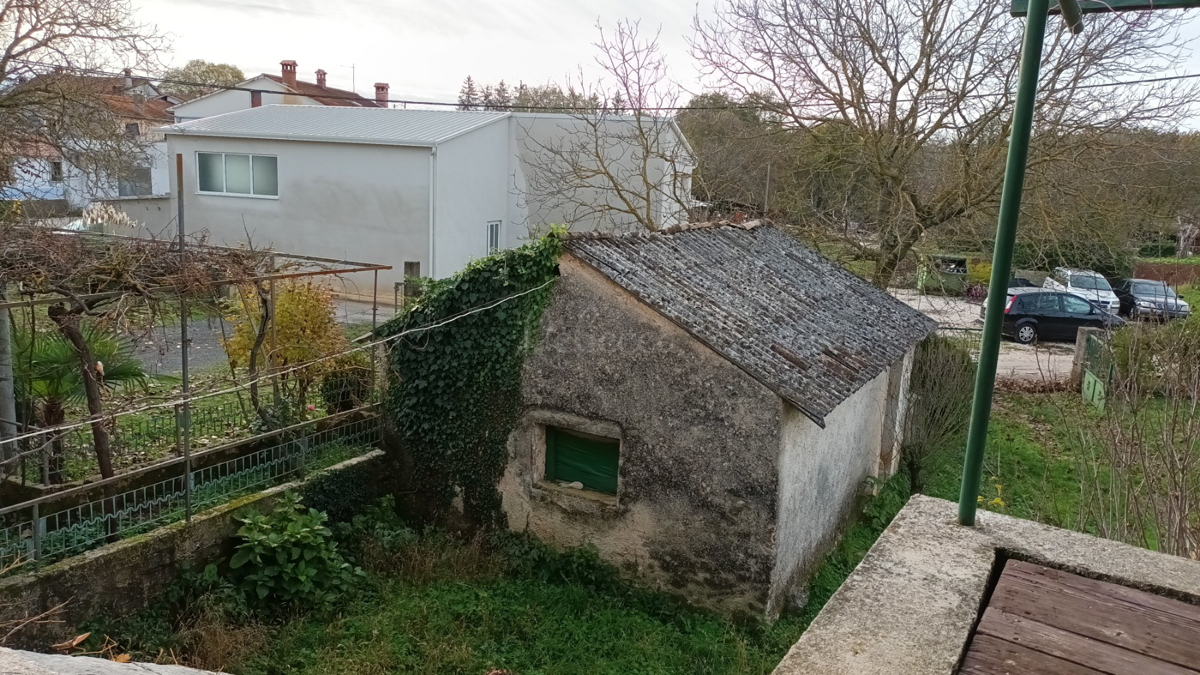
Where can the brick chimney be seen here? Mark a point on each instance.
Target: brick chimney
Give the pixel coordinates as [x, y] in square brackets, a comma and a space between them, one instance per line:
[128, 72]
[381, 94]
[320, 78]
[289, 73]
[255, 99]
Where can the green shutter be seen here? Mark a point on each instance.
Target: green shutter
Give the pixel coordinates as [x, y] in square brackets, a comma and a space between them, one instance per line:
[591, 460]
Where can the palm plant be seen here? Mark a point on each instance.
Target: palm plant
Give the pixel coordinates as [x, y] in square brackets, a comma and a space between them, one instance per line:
[48, 379]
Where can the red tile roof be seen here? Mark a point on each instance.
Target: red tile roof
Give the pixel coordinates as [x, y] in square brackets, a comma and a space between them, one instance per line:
[329, 95]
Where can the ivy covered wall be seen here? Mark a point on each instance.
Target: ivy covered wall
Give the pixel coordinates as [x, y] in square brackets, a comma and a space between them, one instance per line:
[454, 373]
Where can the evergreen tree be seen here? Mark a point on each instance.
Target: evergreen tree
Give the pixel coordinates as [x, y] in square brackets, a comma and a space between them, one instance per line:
[468, 95]
[502, 96]
[488, 99]
[616, 104]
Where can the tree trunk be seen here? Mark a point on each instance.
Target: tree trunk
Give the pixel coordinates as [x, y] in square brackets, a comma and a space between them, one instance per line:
[892, 250]
[68, 325]
[8, 391]
[252, 362]
[53, 415]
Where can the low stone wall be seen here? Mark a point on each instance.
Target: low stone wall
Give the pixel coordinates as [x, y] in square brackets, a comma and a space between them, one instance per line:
[132, 574]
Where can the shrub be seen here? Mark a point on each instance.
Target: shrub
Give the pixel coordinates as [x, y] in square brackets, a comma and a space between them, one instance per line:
[347, 384]
[290, 558]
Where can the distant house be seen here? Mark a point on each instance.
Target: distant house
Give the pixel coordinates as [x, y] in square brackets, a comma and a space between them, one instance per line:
[43, 175]
[281, 89]
[704, 405]
[425, 191]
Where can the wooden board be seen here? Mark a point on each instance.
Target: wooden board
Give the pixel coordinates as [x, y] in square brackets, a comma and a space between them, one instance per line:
[1042, 620]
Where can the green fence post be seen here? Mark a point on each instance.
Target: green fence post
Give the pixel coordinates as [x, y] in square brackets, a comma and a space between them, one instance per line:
[1006, 233]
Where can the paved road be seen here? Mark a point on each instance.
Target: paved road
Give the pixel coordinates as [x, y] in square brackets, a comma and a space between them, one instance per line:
[159, 352]
[1045, 361]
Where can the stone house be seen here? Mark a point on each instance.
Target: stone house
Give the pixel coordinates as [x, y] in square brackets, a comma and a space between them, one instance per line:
[704, 405]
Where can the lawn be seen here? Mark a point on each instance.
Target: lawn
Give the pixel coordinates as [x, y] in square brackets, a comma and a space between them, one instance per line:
[449, 606]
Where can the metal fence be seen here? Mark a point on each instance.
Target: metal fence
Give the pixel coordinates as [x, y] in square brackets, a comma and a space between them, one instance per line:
[47, 528]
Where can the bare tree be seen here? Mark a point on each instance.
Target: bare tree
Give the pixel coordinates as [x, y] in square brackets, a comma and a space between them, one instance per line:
[1140, 460]
[921, 91]
[621, 165]
[937, 405]
[58, 107]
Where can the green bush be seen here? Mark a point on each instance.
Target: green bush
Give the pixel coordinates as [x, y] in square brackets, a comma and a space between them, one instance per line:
[290, 558]
[1111, 261]
[1158, 249]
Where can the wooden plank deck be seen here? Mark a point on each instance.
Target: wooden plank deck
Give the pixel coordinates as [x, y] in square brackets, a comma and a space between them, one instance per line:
[1041, 620]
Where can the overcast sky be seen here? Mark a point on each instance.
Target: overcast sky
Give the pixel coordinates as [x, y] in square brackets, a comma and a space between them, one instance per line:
[424, 48]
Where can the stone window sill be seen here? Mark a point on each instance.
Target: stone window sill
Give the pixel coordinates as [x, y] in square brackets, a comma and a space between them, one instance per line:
[574, 500]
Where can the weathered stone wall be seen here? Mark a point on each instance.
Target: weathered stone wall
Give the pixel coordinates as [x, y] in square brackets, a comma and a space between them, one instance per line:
[700, 440]
[132, 574]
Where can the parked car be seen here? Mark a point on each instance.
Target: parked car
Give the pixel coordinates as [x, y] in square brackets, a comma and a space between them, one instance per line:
[1086, 284]
[1036, 314]
[1150, 299]
[1020, 282]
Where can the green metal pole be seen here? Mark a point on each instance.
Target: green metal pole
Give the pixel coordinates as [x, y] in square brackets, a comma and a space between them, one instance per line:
[1006, 234]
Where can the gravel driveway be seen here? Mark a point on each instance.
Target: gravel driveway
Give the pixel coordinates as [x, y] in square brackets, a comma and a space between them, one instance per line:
[1044, 361]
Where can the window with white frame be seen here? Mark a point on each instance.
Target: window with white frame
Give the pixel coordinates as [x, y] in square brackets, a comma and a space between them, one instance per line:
[227, 173]
[493, 237]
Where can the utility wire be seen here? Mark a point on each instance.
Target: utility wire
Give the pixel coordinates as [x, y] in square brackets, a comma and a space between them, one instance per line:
[592, 109]
[274, 374]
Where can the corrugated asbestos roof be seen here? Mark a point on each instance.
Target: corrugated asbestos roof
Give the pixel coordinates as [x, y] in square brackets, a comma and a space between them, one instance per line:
[795, 321]
[386, 126]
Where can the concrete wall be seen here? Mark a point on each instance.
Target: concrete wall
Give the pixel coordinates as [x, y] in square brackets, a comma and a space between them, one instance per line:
[131, 575]
[360, 202]
[471, 191]
[227, 101]
[695, 509]
[822, 474]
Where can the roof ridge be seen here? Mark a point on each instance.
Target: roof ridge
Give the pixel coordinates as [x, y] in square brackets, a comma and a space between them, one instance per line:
[673, 229]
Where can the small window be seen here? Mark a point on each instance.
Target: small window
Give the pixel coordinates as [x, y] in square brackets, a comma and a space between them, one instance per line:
[1076, 305]
[56, 171]
[137, 184]
[237, 174]
[493, 237]
[573, 456]
[133, 129]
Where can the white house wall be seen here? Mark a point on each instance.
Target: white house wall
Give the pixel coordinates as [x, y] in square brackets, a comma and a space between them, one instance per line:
[229, 100]
[533, 133]
[821, 474]
[471, 191]
[359, 202]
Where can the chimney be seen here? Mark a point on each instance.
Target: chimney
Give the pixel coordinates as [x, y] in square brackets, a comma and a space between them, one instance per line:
[381, 94]
[128, 78]
[321, 78]
[255, 99]
[289, 73]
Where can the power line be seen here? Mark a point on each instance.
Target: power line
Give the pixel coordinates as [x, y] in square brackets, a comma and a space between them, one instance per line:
[277, 373]
[593, 109]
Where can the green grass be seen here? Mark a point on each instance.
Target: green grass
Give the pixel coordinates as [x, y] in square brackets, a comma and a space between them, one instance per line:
[524, 625]
[1192, 260]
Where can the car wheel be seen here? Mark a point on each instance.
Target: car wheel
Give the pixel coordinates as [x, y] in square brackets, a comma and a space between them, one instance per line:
[1026, 334]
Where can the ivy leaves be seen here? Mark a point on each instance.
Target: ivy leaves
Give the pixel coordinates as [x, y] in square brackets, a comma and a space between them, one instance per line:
[455, 389]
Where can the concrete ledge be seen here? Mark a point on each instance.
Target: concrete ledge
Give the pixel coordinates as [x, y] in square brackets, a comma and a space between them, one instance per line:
[130, 575]
[14, 662]
[910, 606]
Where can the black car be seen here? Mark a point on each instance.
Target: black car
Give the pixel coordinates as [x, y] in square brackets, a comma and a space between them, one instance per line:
[1150, 299]
[1049, 315]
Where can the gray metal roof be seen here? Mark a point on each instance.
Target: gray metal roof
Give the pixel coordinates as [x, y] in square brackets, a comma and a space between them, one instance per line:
[380, 126]
[806, 328]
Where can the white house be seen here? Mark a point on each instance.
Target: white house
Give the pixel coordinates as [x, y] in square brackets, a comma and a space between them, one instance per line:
[281, 89]
[43, 175]
[425, 191]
